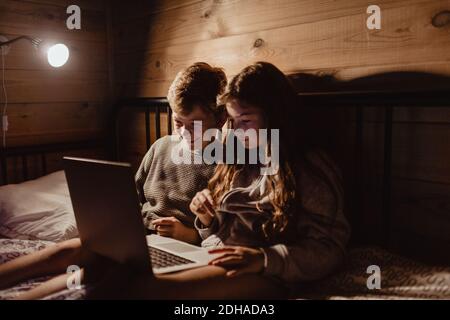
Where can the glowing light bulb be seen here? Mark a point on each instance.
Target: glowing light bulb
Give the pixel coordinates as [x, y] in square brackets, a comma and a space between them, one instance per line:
[58, 55]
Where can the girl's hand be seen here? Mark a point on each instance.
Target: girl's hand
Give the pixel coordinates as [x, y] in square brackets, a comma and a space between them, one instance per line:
[239, 260]
[174, 228]
[202, 205]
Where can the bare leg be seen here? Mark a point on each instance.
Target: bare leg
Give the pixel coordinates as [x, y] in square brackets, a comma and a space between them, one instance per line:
[208, 282]
[49, 287]
[95, 269]
[211, 283]
[118, 282]
[51, 260]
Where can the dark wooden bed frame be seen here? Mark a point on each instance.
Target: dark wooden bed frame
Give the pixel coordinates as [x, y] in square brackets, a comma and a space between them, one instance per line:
[357, 100]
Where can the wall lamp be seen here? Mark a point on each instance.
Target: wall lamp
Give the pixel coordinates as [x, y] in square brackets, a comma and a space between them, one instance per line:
[57, 54]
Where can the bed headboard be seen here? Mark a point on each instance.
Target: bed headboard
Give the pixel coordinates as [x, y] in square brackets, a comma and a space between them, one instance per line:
[157, 106]
[388, 101]
[20, 157]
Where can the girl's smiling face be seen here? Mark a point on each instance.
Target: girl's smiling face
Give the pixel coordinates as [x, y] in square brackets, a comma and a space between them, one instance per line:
[243, 116]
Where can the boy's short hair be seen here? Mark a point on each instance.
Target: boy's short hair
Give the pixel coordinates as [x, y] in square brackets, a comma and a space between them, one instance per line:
[199, 84]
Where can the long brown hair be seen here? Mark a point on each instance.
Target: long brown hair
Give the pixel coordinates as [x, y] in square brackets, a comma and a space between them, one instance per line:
[264, 86]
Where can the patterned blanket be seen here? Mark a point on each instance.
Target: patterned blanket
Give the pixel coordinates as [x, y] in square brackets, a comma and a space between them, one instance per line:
[400, 278]
[13, 248]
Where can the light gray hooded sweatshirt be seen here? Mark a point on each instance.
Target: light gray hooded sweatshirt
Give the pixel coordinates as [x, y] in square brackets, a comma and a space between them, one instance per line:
[317, 241]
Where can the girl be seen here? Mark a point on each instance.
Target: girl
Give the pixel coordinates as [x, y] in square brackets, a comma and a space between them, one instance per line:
[289, 225]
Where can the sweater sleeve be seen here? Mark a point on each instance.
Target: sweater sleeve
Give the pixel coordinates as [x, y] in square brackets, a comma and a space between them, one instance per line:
[142, 173]
[312, 258]
[140, 179]
[322, 232]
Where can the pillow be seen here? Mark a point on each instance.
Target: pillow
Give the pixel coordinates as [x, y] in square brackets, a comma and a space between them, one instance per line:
[38, 209]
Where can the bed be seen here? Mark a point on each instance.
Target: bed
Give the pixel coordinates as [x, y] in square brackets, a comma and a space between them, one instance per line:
[402, 278]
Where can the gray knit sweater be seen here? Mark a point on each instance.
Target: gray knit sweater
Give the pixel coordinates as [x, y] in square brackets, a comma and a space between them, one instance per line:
[166, 189]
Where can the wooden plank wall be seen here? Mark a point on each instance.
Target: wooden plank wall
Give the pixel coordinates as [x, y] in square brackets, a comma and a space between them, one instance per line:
[48, 105]
[153, 40]
[325, 37]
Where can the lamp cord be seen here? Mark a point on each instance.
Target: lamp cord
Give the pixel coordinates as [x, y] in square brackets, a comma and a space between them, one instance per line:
[5, 107]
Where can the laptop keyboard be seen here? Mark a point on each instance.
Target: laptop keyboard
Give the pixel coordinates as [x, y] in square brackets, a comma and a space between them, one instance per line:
[163, 259]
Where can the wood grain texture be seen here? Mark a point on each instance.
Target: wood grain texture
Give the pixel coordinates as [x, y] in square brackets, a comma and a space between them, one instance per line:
[97, 5]
[47, 21]
[39, 123]
[193, 21]
[420, 150]
[55, 86]
[422, 207]
[328, 37]
[46, 104]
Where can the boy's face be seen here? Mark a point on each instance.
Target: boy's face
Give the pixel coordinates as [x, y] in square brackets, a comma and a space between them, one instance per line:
[185, 123]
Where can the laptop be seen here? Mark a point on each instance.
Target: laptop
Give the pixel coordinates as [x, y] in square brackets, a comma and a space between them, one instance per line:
[109, 219]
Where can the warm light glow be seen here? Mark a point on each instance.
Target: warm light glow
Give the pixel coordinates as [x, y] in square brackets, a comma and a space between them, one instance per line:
[58, 55]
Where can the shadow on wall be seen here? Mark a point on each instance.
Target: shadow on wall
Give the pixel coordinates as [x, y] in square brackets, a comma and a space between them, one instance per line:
[382, 82]
[131, 25]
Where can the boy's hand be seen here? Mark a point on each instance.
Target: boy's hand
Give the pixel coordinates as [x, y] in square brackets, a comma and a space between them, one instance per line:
[174, 228]
[202, 205]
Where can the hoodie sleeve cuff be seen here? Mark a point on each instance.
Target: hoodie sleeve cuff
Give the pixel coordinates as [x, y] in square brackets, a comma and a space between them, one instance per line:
[203, 231]
[273, 260]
